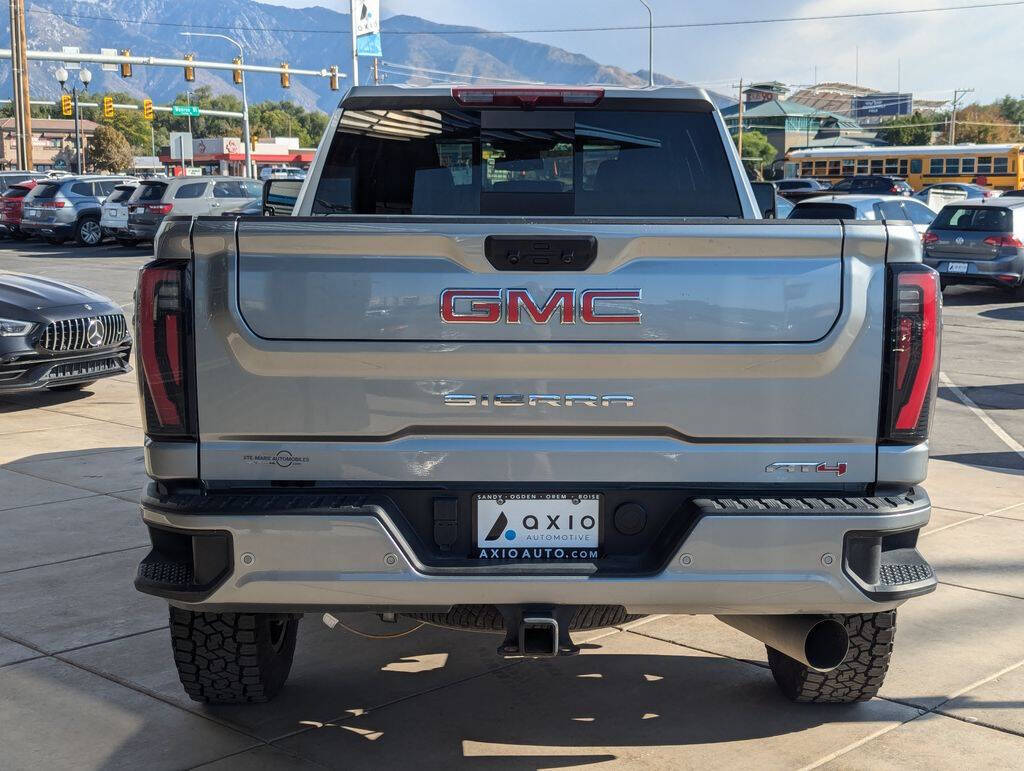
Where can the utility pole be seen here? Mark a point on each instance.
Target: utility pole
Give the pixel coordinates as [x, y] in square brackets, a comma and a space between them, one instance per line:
[355, 47]
[739, 139]
[957, 93]
[19, 83]
[856, 66]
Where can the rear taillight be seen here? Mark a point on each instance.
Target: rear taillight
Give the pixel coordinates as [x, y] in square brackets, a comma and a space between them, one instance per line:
[163, 334]
[159, 208]
[52, 205]
[528, 97]
[895, 190]
[929, 238]
[1003, 241]
[912, 366]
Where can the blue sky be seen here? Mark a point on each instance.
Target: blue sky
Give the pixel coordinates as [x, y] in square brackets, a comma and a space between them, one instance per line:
[933, 53]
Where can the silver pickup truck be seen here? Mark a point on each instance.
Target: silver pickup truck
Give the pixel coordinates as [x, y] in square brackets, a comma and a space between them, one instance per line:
[531, 361]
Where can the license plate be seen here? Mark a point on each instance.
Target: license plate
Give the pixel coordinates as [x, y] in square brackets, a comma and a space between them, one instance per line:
[112, 211]
[31, 214]
[538, 527]
[956, 267]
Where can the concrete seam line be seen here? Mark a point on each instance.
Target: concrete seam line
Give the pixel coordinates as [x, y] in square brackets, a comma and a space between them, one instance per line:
[979, 683]
[159, 697]
[996, 429]
[62, 500]
[955, 524]
[861, 742]
[699, 650]
[983, 591]
[1005, 508]
[982, 723]
[73, 559]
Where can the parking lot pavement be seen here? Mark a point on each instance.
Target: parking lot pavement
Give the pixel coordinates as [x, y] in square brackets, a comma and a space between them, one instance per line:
[87, 681]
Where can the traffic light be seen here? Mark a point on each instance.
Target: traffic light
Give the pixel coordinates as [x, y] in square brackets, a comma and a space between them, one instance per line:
[236, 75]
[254, 139]
[286, 79]
[65, 105]
[334, 77]
[147, 109]
[190, 72]
[108, 107]
[126, 67]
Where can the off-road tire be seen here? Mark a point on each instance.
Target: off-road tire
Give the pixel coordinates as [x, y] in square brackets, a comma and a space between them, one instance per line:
[232, 658]
[487, 618]
[860, 675]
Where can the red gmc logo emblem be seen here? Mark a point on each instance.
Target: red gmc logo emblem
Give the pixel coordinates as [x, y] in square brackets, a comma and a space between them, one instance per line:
[566, 306]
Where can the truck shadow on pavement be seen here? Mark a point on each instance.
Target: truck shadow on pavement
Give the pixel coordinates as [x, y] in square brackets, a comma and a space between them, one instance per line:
[29, 400]
[628, 691]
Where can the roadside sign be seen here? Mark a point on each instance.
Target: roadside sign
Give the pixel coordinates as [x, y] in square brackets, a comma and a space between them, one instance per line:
[71, 50]
[108, 52]
[182, 110]
[181, 146]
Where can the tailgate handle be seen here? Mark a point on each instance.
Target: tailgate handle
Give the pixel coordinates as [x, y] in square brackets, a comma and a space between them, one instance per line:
[543, 253]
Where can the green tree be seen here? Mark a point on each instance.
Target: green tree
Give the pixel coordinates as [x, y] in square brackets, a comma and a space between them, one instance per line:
[1011, 109]
[913, 130]
[132, 125]
[757, 150]
[109, 151]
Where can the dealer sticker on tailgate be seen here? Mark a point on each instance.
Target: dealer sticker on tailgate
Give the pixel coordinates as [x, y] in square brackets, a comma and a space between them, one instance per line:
[538, 526]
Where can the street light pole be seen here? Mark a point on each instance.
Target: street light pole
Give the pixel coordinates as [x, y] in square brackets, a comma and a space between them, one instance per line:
[246, 133]
[650, 44]
[86, 77]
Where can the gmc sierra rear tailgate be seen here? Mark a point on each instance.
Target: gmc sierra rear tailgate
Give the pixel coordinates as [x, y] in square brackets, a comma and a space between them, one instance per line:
[370, 349]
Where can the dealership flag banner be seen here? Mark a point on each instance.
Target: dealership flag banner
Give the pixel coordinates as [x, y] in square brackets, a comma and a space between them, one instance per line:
[366, 18]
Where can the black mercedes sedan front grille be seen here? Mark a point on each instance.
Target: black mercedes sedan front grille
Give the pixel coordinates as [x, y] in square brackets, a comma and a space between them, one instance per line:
[84, 333]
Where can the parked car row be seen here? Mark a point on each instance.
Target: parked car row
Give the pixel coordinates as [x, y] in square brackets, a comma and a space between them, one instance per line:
[89, 208]
[799, 188]
[976, 240]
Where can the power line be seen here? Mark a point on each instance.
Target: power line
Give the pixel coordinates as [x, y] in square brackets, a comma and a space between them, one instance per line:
[539, 30]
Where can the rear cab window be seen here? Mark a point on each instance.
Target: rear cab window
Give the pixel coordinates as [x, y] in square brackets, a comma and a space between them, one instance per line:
[990, 218]
[432, 160]
[17, 192]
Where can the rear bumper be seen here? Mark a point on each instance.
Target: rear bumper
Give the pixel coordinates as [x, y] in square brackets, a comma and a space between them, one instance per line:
[142, 231]
[59, 229]
[309, 552]
[1007, 271]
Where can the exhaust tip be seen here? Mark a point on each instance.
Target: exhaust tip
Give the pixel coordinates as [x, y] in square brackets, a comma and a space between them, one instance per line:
[826, 645]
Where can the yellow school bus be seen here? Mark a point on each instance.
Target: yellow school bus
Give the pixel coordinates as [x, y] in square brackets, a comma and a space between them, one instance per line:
[995, 166]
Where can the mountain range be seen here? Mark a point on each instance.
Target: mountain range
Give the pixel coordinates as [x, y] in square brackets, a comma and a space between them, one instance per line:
[415, 50]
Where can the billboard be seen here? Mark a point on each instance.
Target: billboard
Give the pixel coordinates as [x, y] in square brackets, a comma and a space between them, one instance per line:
[366, 26]
[882, 105]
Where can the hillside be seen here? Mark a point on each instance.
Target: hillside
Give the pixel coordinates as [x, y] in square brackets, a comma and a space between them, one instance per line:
[308, 38]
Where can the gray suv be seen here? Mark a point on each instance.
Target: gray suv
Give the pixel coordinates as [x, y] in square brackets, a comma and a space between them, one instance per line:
[981, 242]
[70, 207]
[190, 196]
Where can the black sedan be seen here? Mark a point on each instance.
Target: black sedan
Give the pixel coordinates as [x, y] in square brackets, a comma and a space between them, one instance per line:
[58, 336]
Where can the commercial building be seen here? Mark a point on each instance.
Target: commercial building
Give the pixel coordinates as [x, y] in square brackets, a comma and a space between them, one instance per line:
[53, 142]
[226, 155]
